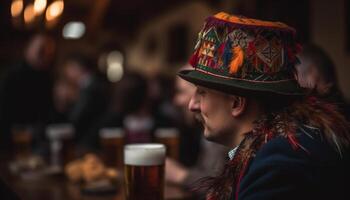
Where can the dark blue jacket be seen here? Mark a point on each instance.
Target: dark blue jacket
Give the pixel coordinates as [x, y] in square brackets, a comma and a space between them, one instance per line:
[278, 172]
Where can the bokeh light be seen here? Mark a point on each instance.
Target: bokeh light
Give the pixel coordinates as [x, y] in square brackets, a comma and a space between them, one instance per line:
[54, 10]
[39, 6]
[73, 30]
[29, 14]
[16, 8]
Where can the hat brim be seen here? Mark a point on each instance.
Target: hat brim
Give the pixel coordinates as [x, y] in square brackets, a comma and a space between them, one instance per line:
[242, 87]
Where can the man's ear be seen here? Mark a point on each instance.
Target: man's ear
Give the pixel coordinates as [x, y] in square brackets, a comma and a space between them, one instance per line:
[238, 105]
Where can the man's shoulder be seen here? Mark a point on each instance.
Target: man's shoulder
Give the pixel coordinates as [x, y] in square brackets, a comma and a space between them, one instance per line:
[314, 170]
[311, 148]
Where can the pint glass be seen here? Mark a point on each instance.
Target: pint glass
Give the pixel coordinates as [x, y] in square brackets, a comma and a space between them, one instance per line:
[112, 142]
[144, 171]
[170, 138]
[22, 140]
[61, 138]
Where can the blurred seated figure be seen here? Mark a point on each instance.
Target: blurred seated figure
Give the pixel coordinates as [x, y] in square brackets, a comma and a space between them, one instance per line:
[190, 130]
[161, 91]
[132, 101]
[65, 95]
[209, 157]
[317, 72]
[25, 93]
[87, 94]
[128, 109]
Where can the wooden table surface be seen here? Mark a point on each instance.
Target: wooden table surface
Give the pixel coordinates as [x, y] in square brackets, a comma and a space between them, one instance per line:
[57, 187]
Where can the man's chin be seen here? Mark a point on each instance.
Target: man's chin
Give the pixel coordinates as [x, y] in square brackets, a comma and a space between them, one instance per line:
[208, 136]
[211, 137]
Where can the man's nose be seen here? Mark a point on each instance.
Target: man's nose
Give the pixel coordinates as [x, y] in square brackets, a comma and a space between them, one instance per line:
[193, 105]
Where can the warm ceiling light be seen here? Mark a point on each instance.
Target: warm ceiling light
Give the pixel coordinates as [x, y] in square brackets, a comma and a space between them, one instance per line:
[54, 10]
[16, 8]
[29, 14]
[39, 6]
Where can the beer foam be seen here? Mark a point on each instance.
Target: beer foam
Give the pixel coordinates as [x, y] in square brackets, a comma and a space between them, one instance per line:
[60, 131]
[111, 133]
[166, 132]
[144, 154]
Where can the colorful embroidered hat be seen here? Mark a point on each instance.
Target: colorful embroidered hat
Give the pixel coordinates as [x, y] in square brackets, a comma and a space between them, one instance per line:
[245, 56]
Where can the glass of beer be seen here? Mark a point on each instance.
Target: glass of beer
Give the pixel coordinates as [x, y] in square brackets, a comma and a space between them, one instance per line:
[22, 139]
[170, 138]
[144, 171]
[61, 138]
[112, 142]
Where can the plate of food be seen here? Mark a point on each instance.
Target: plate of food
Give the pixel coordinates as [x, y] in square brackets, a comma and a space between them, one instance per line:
[93, 176]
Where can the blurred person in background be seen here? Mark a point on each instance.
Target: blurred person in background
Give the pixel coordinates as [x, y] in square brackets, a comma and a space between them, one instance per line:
[160, 87]
[317, 72]
[25, 91]
[129, 108]
[88, 94]
[131, 102]
[190, 129]
[65, 95]
[198, 157]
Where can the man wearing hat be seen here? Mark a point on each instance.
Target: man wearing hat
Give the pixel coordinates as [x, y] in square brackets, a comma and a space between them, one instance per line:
[284, 144]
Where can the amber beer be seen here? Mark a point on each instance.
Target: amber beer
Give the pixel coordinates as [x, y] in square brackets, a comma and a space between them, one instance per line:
[22, 139]
[144, 171]
[170, 138]
[112, 142]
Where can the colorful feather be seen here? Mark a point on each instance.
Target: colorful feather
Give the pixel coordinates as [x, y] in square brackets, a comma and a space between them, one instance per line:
[237, 61]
